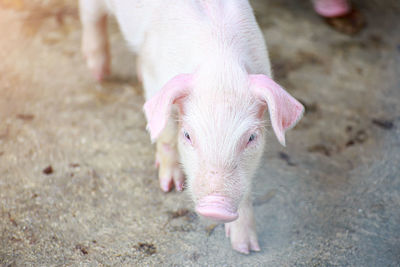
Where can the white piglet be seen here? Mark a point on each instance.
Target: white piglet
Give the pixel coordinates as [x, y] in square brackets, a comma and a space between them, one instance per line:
[207, 78]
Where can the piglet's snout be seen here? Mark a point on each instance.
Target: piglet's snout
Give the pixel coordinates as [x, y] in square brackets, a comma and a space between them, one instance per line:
[217, 208]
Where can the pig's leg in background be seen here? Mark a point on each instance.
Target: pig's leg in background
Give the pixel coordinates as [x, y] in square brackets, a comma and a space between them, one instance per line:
[242, 232]
[95, 46]
[332, 8]
[167, 159]
[340, 15]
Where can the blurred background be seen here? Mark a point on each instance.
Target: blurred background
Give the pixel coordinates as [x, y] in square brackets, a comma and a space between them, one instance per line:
[77, 178]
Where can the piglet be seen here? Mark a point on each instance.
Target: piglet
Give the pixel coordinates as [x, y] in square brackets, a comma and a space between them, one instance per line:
[207, 79]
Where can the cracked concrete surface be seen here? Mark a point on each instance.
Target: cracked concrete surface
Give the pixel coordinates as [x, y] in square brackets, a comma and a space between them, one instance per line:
[331, 198]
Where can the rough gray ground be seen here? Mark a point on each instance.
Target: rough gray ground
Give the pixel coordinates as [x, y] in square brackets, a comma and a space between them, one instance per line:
[331, 198]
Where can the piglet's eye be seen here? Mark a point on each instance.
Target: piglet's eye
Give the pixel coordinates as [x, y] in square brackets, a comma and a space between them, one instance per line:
[252, 137]
[187, 136]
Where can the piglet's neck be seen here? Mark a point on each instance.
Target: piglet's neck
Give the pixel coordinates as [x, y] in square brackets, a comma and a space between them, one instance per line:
[224, 46]
[222, 67]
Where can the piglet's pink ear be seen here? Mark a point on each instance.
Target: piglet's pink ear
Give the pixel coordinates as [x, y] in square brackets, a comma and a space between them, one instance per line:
[285, 111]
[158, 108]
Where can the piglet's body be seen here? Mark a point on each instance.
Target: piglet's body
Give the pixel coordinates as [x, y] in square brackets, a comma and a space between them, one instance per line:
[207, 80]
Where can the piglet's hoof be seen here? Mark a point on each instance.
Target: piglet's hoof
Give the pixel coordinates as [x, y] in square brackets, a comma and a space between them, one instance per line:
[170, 176]
[332, 8]
[169, 171]
[243, 237]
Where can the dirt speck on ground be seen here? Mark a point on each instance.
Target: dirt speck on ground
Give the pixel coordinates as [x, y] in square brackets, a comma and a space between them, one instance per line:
[48, 170]
[146, 248]
[260, 200]
[284, 156]
[210, 228]
[25, 117]
[383, 123]
[320, 148]
[178, 213]
[83, 249]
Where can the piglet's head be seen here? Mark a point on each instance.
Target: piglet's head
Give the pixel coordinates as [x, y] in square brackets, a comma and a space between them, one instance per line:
[221, 132]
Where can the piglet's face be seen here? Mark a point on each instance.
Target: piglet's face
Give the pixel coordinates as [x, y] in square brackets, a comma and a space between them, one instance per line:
[221, 139]
[221, 135]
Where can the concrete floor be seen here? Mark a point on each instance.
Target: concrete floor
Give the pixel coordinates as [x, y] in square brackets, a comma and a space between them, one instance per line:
[331, 198]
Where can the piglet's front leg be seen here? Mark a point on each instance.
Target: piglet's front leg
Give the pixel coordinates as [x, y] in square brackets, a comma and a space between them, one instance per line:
[242, 232]
[95, 46]
[167, 159]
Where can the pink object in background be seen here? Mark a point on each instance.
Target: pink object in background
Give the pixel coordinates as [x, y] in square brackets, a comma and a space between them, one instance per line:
[331, 8]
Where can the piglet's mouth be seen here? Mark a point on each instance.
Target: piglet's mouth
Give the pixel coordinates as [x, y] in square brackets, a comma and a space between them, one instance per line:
[217, 208]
